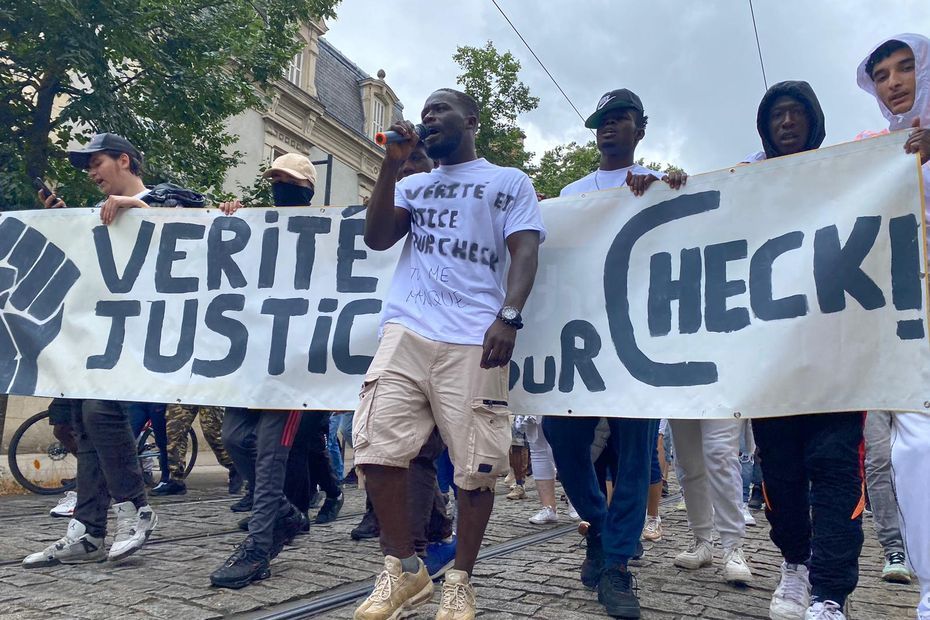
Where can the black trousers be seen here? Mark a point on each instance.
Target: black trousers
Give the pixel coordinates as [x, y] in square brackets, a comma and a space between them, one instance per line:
[812, 478]
[309, 464]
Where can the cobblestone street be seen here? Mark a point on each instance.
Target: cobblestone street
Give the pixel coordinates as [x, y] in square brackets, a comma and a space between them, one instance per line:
[169, 577]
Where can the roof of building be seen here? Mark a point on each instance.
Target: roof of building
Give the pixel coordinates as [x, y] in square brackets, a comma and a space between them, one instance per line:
[338, 87]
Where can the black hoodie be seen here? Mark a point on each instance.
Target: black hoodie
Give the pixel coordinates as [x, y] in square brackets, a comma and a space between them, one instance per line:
[802, 92]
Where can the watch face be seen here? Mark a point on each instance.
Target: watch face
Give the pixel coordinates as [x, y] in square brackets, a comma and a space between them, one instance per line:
[509, 313]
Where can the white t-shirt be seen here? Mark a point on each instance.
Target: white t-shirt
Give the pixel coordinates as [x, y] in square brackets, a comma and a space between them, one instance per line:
[449, 281]
[605, 179]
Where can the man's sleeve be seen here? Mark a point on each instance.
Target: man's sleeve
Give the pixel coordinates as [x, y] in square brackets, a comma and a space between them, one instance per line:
[524, 213]
[400, 199]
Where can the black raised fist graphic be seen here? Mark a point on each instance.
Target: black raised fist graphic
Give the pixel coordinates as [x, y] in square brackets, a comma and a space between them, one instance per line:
[35, 277]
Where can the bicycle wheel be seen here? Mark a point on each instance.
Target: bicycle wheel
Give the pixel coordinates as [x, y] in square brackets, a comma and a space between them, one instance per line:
[38, 461]
[191, 452]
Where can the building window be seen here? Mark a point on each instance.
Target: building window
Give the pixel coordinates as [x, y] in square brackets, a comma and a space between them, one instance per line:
[377, 116]
[295, 69]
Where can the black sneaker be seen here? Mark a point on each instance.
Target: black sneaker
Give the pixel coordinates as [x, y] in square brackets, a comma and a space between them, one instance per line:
[617, 592]
[285, 529]
[235, 481]
[330, 509]
[172, 487]
[315, 498]
[351, 479]
[244, 504]
[247, 564]
[367, 528]
[243, 523]
[755, 498]
[640, 551]
[304, 523]
[593, 564]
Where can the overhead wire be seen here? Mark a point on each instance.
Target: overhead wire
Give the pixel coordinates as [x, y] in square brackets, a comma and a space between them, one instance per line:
[758, 45]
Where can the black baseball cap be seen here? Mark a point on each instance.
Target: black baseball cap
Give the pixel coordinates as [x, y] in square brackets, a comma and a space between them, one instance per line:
[80, 158]
[614, 100]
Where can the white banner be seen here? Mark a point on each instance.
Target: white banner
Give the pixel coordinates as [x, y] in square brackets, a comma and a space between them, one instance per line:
[789, 286]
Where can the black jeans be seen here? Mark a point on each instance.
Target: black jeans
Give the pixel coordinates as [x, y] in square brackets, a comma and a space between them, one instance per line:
[309, 464]
[108, 464]
[812, 479]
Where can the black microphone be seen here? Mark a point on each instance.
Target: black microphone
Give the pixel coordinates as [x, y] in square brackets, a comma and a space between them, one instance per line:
[386, 137]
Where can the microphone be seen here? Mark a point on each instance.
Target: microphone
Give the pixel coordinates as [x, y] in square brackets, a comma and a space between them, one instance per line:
[387, 137]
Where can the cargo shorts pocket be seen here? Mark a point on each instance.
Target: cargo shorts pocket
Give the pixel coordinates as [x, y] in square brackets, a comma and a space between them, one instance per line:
[489, 440]
[361, 422]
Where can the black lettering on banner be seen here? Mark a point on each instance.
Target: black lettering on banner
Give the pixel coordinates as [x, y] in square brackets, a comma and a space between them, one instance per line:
[115, 282]
[582, 358]
[118, 311]
[513, 376]
[234, 330]
[686, 289]
[268, 262]
[905, 273]
[168, 254]
[717, 317]
[307, 228]
[763, 305]
[152, 358]
[282, 310]
[346, 255]
[220, 252]
[548, 382]
[342, 358]
[316, 361]
[616, 292]
[838, 268]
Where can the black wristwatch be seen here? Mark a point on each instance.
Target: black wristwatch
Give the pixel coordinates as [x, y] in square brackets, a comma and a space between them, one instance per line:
[510, 316]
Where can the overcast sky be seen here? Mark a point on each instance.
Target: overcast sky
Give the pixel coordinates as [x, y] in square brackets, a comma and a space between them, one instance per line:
[694, 64]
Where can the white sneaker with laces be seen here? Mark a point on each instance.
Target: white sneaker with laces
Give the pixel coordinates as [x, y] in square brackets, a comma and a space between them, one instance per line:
[735, 568]
[792, 597]
[133, 528]
[572, 513]
[700, 553]
[652, 531]
[545, 515]
[747, 516]
[826, 610]
[65, 507]
[76, 547]
[458, 597]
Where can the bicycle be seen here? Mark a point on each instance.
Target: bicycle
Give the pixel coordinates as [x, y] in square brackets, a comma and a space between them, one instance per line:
[40, 463]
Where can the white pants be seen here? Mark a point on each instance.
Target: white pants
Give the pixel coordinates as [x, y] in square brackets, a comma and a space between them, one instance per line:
[540, 452]
[707, 463]
[910, 461]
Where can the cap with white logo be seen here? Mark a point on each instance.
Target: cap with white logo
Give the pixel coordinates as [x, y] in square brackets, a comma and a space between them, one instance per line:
[614, 100]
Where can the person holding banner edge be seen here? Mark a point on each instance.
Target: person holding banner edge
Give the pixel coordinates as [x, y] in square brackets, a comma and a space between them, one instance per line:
[897, 73]
[448, 331]
[812, 469]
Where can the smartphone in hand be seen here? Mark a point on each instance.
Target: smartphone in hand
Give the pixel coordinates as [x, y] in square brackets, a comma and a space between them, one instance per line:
[40, 185]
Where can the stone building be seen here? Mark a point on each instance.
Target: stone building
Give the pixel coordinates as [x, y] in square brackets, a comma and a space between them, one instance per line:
[327, 108]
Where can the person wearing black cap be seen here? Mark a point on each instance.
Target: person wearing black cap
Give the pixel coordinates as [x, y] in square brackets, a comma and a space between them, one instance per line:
[811, 464]
[613, 532]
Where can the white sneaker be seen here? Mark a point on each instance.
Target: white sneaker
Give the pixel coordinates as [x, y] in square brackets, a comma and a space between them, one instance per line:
[735, 569]
[826, 610]
[572, 513]
[133, 528]
[700, 553]
[747, 516]
[792, 597]
[65, 507]
[76, 547]
[545, 515]
[652, 531]
[458, 597]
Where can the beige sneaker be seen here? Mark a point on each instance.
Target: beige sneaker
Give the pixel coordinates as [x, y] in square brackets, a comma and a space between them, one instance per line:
[458, 597]
[517, 492]
[653, 529]
[396, 592]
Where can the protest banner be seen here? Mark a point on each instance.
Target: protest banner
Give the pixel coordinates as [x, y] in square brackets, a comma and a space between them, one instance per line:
[788, 286]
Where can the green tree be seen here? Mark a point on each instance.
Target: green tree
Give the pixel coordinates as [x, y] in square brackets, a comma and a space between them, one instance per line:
[564, 164]
[658, 166]
[491, 78]
[164, 73]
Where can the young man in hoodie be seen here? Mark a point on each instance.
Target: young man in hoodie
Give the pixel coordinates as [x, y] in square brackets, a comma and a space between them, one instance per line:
[811, 464]
[897, 73]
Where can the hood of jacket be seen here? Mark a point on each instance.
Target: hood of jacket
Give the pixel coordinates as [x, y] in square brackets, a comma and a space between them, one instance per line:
[802, 92]
[920, 45]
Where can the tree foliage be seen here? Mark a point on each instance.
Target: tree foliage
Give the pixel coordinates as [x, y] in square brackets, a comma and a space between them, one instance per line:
[564, 164]
[166, 74]
[492, 79]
